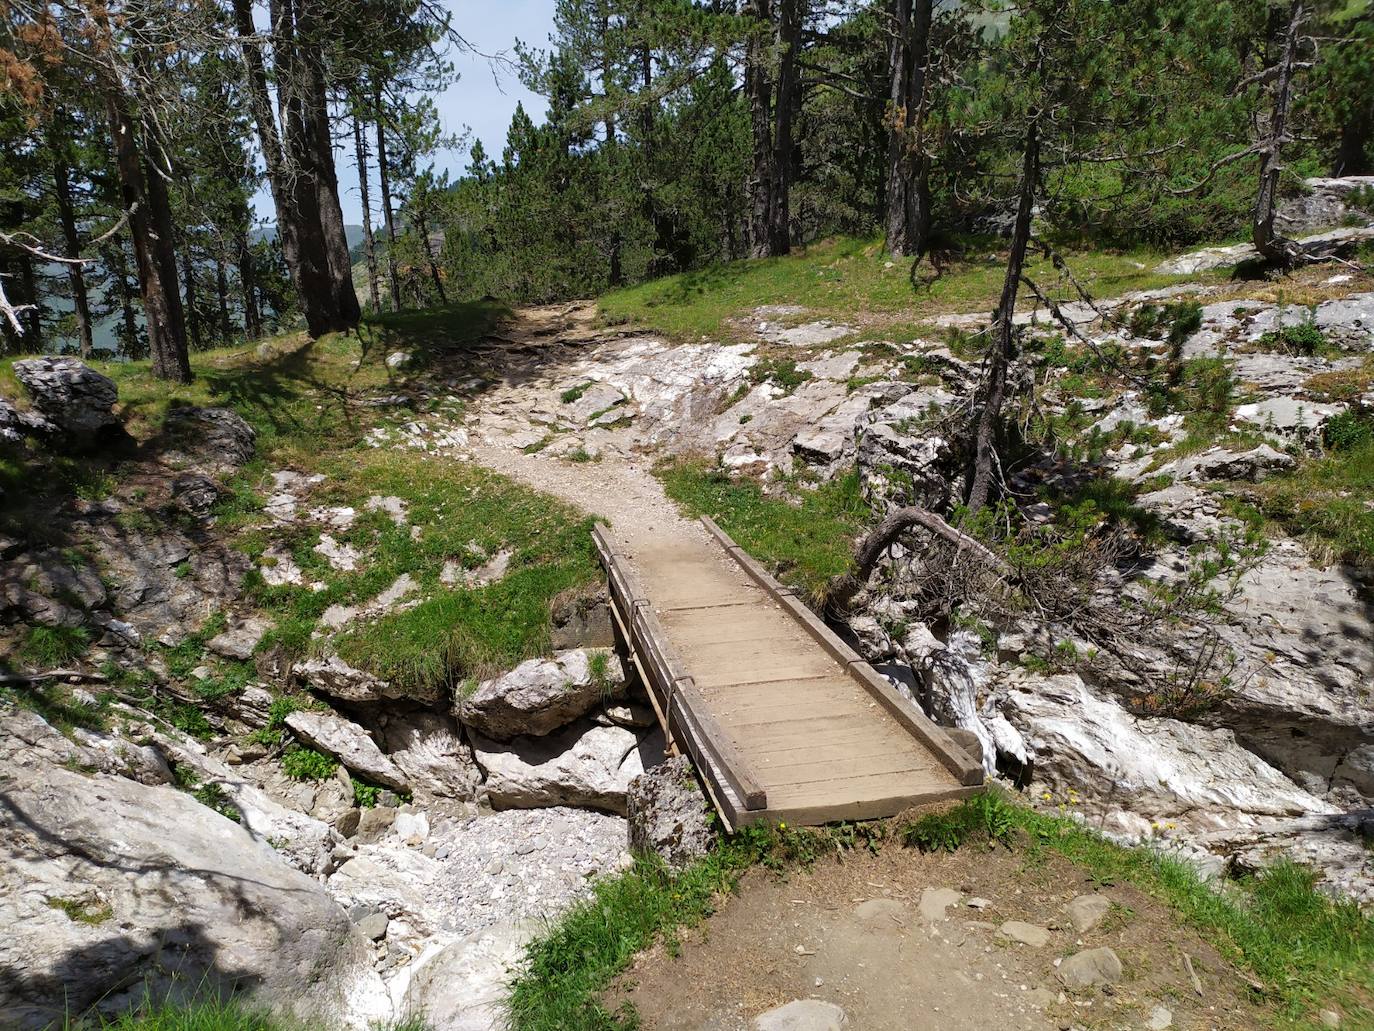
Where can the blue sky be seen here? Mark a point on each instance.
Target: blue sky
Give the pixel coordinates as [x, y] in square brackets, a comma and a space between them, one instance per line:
[484, 97]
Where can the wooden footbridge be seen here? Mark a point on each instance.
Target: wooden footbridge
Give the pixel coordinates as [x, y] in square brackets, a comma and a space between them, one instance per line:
[784, 721]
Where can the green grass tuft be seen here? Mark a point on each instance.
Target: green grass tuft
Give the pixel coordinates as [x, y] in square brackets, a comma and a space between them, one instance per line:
[46, 647]
[805, 544]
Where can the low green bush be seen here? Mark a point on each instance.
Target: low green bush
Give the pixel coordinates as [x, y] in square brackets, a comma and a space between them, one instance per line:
[308, 764]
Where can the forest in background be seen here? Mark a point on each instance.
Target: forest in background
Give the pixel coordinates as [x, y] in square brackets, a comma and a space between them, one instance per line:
[679, 135]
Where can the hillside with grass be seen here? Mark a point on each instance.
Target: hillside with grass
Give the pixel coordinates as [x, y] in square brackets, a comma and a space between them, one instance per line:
[674, 515]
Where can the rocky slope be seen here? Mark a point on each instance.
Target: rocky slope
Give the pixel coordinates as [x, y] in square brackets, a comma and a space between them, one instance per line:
[423, 828]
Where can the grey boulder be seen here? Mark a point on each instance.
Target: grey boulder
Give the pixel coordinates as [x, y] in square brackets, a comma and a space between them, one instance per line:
[802, 1015]
[122, 886]
[540, 695]
[217, 439]
[1090, 969]
[668, 815]
[330, 675]
[584, 765]
[350, 744]
[75, 402]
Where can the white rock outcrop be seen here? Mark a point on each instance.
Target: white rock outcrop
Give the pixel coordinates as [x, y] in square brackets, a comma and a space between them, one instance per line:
[120, 885]
[582, 765]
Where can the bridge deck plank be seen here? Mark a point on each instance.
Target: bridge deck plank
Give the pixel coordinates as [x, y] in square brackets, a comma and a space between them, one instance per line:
[812, 734]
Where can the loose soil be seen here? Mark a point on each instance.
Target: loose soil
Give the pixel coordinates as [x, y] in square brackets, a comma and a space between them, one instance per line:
[852, 933]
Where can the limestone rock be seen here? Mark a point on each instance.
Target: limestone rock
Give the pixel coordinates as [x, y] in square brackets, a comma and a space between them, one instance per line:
[462, 987]
[1027, 934]
[123, 882]
[12, 427]
[304, 842]
[1219, 257]
[239, 641]
[44, 587]
[582, 765]
[802, 1015]
[349, 743]
[1087, 911]
[330, 675]
[540, 695]
[1220, 464]
[668, 814]
[1171, 771]
[934, 902]
[196, 493]
[427, 747]
[1090, 968]
[1288, 416]
[217, 439]
[74, 400]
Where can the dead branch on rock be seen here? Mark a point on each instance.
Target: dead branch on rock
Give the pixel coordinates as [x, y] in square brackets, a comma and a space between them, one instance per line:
[870, 549]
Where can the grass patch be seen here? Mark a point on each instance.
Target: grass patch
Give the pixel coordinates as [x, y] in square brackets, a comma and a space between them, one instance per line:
[840, 277]
[89, 911]
[1306, 949]
[47, 647]
[805, 544]
[574, 393]
[454, 632]
[1325, 501]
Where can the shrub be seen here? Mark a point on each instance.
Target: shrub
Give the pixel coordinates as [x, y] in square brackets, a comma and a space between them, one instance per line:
[1303, 339]
[781, 371]
[308, 764]
[365, 796]
[1348, 430]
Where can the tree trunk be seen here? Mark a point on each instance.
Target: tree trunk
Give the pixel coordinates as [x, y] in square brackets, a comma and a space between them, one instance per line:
[999, 355]
[117, 260]
[248, 287]
[1353, 154]
[422, 226]
[870, 548]
[31, 316]
[150, 228]
[226, 325]
[759, 89]
[784, 109]
[615, 275]
[908, 216]
[1271, 244]
[76, 273]
[388, 219]
[369, 245]
[305, 259]
[188, 277]
[318, 157]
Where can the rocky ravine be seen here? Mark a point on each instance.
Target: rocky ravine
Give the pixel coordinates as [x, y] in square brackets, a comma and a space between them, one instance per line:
[1280, 765]
[140, 856]
[519, 790]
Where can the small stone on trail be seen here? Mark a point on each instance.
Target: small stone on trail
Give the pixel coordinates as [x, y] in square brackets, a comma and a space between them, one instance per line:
[934, 902]
[1329, 1018]
[1161, 1017]
[1087, 911]
[881, 914]
[1089, 968]
[802, 1015]
[1026, 934]
[978, 903]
